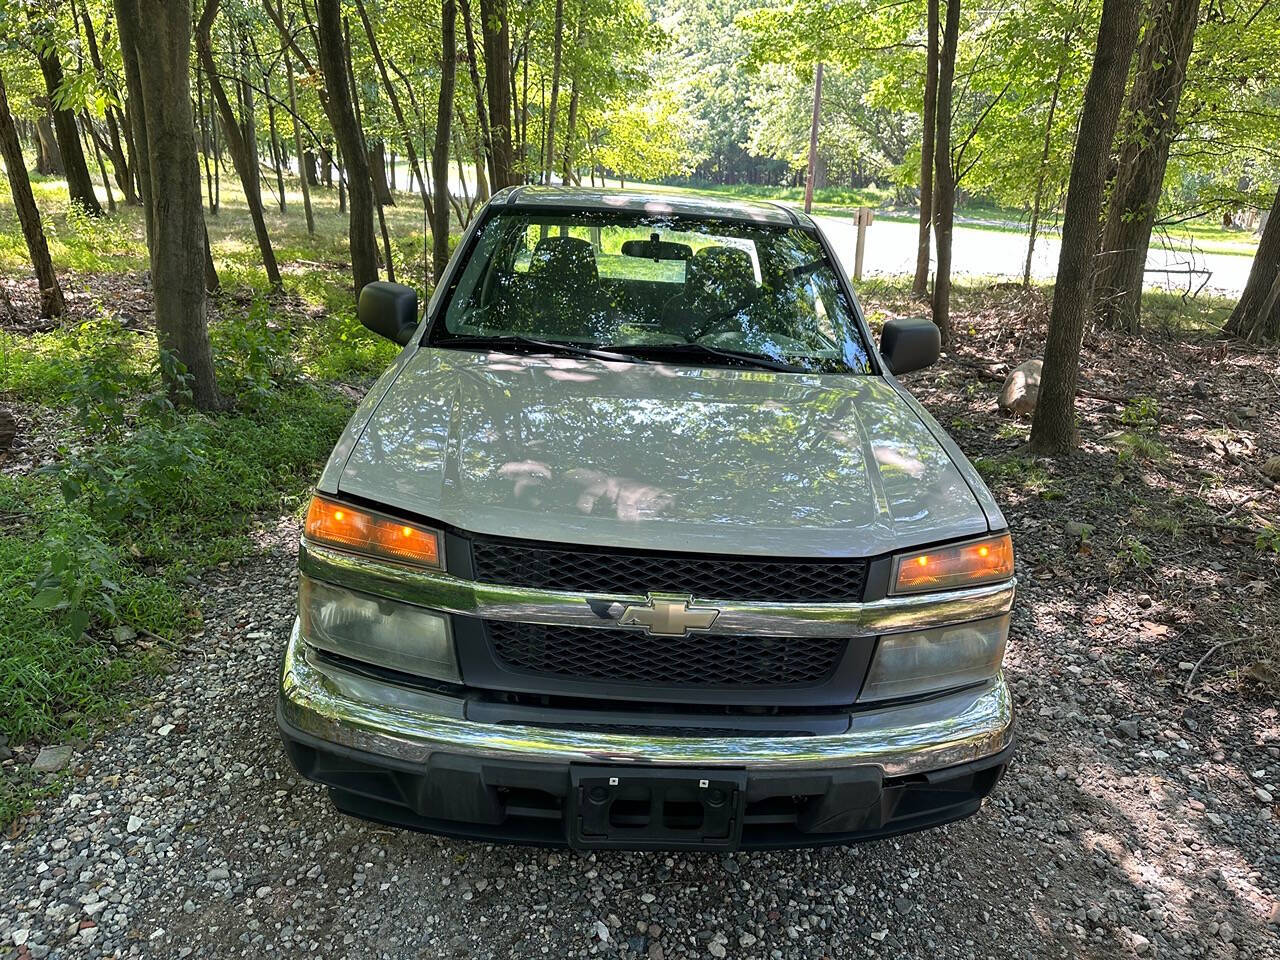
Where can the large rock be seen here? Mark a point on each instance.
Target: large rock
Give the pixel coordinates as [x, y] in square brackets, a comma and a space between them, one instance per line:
[52, 759]
[1021, 388]
[1272, 468]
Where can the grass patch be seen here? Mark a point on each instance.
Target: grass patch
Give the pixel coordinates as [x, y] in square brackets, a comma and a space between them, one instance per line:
[142, 493]
[1027, 473]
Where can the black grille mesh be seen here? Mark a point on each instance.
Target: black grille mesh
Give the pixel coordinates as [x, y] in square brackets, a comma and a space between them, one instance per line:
[709, 578]
[698, 660]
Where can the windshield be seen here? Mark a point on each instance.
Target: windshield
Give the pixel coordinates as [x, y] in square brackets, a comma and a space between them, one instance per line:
[711, 292]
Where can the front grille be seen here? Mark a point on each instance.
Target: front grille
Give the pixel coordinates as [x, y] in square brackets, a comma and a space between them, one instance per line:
[710, 578]
[697, 660]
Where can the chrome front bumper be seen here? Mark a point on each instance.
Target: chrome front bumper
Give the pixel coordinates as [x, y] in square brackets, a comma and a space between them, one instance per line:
[407, 726]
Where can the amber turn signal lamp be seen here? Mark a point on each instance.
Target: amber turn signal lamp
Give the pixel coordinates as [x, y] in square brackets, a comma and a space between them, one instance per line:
[341, 525]
[962, 565]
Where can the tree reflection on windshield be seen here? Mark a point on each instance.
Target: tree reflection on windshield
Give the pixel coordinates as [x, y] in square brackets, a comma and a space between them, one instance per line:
[617, 281]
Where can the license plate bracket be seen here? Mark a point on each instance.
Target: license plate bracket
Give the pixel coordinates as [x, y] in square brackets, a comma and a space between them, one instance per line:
[642, 808]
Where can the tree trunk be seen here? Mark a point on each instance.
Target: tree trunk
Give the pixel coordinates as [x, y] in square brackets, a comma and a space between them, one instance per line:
[243, 155]
[557, 50]
[342, 180]
[406, 134]
[337, 103]
[211, 281]
[155, 41]
[440, 153]
[51, 302]
[326, 165]
[90, 136]
[206, 145]
[482, 120]
[1252, 319]
[48, 158]
[495, 30]
[378, 169]
[306, 160]
[1038, 201]
[1135, 195]
[920, 287]
[248, 118]
[277, 148]
[79, 183]
[569, 131]
[114, 148]
[944, 193]
[1053, 430]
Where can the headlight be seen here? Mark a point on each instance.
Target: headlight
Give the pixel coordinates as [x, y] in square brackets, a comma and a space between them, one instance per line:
[960, 565]
[347, 528]
[388, 633]
[926, 661]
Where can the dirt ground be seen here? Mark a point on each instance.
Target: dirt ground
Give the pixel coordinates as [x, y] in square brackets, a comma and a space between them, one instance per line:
[1138, 818]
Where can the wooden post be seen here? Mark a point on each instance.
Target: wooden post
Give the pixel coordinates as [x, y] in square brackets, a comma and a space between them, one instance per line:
[813, 137]
[865, 218]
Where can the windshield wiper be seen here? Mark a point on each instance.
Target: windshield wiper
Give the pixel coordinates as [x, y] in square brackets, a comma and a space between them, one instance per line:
[516, 343]
[702, 351]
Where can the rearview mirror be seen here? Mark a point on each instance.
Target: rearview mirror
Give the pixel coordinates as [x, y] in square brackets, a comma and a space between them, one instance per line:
[910, 343]
[656, 250]
[389, 309]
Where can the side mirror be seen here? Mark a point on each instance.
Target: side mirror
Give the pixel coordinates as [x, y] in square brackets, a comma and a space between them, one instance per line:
[389, 309]
[910, 343]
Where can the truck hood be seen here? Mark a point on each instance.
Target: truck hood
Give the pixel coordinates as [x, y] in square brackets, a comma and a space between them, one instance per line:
[659, 456]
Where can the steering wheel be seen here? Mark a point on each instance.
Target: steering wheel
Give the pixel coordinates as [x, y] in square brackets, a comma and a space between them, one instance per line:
[723, 322]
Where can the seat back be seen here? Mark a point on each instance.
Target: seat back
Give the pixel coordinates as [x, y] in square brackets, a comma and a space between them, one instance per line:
[564, 285]
[718, 282]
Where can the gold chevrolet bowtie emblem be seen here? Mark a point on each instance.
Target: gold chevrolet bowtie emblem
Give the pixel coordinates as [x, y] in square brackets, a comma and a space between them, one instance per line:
[668, 615]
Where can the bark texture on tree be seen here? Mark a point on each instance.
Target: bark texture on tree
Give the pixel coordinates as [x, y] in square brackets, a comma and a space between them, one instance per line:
[440, 153]
[920, 286]
[570, 131]
[155, 41]
[1252, 319]
[378, 170]
[277, 147]
[51, 302]
[326, 165]
[1146, 135]
[1042, 174]
[499, 84]
[411, 150]
[944, 189]
[243, 152]
[1053, 431]
[477, 87]
[76, 169]
[113, 145]
[556, 57]
[306, 160]
[91, 138]
[338, 106]
[48, 159]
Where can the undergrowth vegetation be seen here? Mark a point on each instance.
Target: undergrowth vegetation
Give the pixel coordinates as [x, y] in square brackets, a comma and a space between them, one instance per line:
[125, 493]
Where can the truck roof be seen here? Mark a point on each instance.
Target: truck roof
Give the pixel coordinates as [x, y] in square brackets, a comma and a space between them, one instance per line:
[576, 199]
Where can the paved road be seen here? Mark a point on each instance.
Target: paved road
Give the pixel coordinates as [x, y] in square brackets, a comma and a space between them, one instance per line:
[891, 249]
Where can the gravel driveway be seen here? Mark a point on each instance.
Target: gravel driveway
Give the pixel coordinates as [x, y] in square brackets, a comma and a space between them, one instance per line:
[184, 832]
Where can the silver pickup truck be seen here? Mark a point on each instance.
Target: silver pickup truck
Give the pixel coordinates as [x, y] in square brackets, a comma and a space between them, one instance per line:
[639, 543]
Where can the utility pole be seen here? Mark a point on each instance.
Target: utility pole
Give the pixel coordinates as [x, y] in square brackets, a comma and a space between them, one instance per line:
[813, 137]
